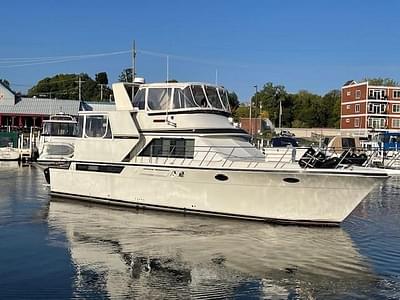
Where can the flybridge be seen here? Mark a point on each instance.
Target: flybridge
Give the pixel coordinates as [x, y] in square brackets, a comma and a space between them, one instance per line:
[172, 96]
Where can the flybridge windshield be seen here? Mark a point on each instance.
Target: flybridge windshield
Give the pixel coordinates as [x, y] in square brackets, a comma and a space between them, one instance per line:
[60, 129]
[194, 96]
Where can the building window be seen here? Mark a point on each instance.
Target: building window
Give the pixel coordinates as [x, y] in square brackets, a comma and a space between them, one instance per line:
[396, 123]
[165, 147]
[348, 106]
[396, 94]
[347, 120]
[396, 108]
[379, 94]
[377, 123]
[357, 109]
[358, 94]
[348, 93]
[357, 122]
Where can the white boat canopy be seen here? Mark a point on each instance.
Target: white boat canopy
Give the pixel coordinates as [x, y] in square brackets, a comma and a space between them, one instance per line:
[179, 96]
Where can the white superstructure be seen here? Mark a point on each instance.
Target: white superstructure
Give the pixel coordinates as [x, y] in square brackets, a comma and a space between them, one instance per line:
[173, 147]
[56, 142]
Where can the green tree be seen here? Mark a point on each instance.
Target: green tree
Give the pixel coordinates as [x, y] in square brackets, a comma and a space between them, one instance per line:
[65, 86]
[269, 100]
[381, 81]
[332, 103]
[241, 112]
[233, 101]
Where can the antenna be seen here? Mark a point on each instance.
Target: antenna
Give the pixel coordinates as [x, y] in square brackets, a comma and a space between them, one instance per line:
[133, 61]
[167, 68]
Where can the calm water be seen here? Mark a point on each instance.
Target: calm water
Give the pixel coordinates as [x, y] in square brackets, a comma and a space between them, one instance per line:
[61, 250]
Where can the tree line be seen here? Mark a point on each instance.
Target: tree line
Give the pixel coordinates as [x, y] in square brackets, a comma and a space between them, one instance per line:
[301, 109]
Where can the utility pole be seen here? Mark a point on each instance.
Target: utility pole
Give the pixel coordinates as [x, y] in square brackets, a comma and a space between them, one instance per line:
[80, 87]
[101, 91]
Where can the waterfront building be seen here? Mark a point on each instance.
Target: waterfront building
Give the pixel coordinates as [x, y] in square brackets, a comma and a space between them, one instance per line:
[21, 112]
[367, 108]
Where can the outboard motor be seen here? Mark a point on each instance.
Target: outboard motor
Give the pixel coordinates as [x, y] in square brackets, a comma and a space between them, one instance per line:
[307, 160]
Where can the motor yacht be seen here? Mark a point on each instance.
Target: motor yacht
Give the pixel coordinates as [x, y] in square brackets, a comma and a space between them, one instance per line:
[172, 146]
[56, 142]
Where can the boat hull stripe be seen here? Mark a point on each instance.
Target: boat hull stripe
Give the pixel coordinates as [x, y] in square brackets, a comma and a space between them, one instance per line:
[277, 171]
[190, 211]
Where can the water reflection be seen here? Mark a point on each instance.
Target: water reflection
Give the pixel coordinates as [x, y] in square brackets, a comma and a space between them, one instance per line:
[125, 253]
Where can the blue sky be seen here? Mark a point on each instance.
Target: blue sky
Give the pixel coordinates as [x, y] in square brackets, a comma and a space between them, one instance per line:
[312, 45]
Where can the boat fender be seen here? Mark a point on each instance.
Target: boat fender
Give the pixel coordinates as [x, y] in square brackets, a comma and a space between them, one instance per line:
[47, 175]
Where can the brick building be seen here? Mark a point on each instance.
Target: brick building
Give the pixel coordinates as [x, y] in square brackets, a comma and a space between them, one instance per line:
[366, 108]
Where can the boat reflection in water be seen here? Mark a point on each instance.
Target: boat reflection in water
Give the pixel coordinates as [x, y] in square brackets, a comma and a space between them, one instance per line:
[129, 253]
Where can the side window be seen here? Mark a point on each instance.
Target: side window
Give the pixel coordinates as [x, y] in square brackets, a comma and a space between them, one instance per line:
[159, 98]
[213, 97]
[199, 96]
[176, 103]
[138, 101]
[79, 126]
[178, 148]
[96, 126]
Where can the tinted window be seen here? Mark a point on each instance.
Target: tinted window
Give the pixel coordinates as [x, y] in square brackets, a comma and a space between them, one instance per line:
[199, 96]
[159, 98]
[179, 148]
[213, 97]
[348, 143]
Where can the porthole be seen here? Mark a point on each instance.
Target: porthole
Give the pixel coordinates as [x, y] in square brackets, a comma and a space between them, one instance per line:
[291, 180]
[221, 177]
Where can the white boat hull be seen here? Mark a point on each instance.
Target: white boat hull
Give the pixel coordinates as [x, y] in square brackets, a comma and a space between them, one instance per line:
[284, 196]
[9, 153]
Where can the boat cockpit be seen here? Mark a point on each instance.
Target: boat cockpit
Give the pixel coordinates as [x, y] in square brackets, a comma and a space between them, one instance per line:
[167, 97]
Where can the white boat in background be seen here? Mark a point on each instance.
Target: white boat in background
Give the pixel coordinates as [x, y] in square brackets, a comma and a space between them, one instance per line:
[56, 142]
[9, 146]
[173, 148]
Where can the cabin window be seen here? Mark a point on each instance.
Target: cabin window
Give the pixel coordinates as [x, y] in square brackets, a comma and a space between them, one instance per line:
[164, 147]
[139, 99]
[199, 96]
[348, 143]
[97, 126]
[159, 98]
[213, 97]
[59, 129]
[183, 99]
[79, 132]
